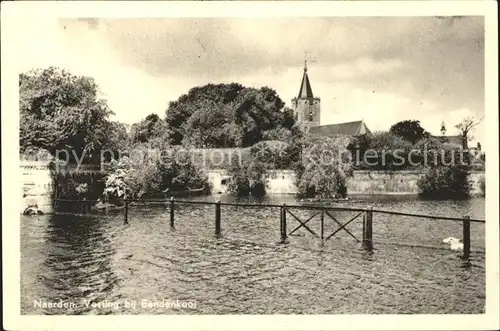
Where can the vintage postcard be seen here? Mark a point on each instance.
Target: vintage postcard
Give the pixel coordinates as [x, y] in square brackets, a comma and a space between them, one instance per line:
[250, 165]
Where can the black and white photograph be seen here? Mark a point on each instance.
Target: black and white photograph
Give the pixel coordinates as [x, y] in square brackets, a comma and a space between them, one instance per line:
[238, 160]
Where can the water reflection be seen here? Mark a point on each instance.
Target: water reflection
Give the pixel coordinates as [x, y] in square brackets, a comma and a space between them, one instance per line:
[247, 270]
[77, 262]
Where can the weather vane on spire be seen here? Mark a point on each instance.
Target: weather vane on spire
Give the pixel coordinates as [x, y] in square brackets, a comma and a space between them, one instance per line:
[306, 59]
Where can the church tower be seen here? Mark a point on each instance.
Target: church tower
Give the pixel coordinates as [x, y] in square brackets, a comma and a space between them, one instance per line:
[306, 108]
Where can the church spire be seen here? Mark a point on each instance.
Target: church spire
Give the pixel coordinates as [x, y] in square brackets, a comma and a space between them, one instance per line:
[305, 91]
[443, 129]
[306, 108]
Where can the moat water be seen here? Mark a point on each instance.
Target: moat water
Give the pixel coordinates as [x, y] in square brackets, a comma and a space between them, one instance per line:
[97, 265]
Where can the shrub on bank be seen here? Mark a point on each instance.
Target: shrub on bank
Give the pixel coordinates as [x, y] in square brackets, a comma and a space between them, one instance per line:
[482, 184]
[247, 177]
[133, 180]
[447, 172]
[445, 183]
[75, 186]
[127, 180]
[323, 169]
[180, 173]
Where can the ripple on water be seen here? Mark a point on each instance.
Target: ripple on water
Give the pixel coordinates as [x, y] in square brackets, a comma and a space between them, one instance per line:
[247, 271]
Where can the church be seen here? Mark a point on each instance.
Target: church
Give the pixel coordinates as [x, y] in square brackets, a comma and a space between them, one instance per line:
[307, 111]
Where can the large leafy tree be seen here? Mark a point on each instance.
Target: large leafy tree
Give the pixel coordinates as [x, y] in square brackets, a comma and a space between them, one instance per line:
[409, 130]
[152, 127]
[226, 115]
[59, 111]
[199, 97]
[118, 141]
[211, 126]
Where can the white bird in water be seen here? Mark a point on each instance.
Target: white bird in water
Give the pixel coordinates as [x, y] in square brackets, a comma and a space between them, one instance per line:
[455, 243]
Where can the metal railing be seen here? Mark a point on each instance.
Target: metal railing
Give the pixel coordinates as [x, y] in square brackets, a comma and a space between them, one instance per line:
[366, 214]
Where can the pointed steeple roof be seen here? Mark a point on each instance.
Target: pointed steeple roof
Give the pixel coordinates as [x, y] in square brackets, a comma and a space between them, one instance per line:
[443, 128]
[305, 87]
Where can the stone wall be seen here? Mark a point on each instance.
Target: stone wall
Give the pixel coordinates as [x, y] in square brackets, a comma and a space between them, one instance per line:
[363, 182]
[37, 183]
[36, 186]
[396, 182]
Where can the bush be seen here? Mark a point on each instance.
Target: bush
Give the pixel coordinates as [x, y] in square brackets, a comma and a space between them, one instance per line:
[129, 181]
[482, 185]
[248, 177]
[175, 171]
[445, 183]
[180, 173]
[324, 168]
[76, 186]
[447, 171]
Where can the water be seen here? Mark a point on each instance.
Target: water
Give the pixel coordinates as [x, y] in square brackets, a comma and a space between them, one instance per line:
[99, 262]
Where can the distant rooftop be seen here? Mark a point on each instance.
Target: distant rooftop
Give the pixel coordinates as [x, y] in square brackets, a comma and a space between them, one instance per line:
[348, 128]
[453, 140]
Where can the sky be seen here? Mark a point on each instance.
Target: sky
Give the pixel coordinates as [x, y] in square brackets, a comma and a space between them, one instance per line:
[379, 69]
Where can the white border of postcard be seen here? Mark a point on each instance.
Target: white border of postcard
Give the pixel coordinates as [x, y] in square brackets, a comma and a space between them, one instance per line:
[13, 11]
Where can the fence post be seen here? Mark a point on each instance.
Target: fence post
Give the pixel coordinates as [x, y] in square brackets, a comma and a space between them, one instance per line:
[172, 212]
[364, 228]
[125, 221]
[322, 225]
[466, 238]
[283, 224]
[217, 219]
[55, 198]
[368, 230]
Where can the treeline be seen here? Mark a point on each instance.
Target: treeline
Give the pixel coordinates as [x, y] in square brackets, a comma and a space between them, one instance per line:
[218, 116]
[65, 116]
[408, 146]
[61, 111]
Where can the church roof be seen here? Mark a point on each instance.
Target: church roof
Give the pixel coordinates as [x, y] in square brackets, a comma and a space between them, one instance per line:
[452, 140]
[305, 87]
[348, 128]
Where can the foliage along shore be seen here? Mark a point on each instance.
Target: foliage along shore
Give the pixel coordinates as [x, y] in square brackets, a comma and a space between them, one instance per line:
[61, 111]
